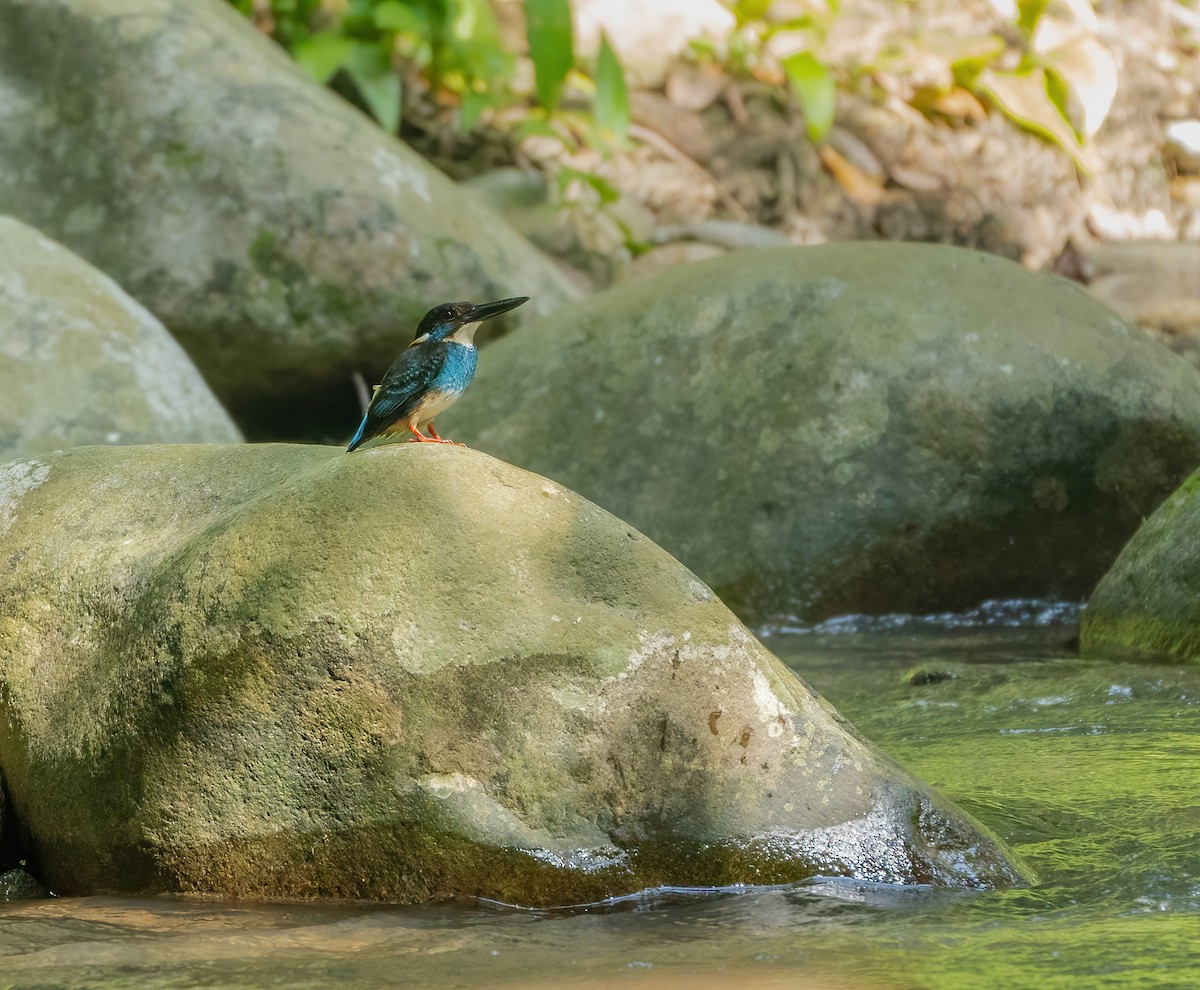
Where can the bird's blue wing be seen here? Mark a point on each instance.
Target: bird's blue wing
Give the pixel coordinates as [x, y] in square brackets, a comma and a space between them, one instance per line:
[406, 381]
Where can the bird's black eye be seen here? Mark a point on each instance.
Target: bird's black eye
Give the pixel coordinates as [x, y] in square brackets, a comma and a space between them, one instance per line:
[438, 316]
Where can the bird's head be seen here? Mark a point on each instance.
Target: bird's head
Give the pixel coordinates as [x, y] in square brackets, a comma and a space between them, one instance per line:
[459, 320]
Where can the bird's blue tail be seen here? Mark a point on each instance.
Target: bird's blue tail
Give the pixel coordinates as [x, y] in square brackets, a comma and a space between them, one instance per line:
[357, 439]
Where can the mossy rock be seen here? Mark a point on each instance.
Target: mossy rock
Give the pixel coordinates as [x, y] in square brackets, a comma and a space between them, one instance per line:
[851, 427]
[1149, 602]
[84, 364]
[282, 236]
[407, 673]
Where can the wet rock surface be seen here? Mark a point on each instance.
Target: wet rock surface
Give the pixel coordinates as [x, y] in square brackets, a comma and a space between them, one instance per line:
[851, 427]
[20, 885]
[408, 673]
[283, 238]
[82, 363]
[1147, 603]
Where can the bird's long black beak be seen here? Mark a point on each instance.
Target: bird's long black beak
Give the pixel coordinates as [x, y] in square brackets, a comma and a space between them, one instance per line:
[486, 311]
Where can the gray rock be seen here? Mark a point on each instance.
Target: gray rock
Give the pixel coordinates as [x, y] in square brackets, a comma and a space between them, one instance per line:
[660, 259]
[407, 673]
[1147, 602]
[724, 234]
[1155, 284]
[283, 238]
[851, 427]
[82, 363]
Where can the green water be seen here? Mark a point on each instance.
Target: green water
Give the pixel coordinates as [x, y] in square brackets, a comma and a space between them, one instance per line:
[1088, 768]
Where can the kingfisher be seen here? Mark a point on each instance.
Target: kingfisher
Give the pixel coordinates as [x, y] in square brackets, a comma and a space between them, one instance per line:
[431, 374]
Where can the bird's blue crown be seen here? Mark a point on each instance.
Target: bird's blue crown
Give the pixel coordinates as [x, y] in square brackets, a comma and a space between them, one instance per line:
[441, 321]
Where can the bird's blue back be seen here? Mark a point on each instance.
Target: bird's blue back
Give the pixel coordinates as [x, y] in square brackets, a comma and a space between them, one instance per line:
[430, 366]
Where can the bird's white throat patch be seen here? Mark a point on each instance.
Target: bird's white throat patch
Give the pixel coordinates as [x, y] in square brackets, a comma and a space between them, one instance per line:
[465, 334]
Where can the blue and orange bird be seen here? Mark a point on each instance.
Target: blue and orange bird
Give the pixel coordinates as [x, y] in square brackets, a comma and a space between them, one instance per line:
[431, 374]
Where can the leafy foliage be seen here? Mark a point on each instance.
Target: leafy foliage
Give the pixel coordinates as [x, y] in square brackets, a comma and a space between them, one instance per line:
[1044, 69]
[748, 52]
[451, 47]
[1051, 76]
[612, 98]
[813, 85]
[551, 46]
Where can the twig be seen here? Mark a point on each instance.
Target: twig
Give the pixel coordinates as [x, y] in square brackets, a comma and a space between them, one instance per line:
[361, 390]
[785, 168]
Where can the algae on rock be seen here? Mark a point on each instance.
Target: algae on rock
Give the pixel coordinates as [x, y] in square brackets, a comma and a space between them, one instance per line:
[85, 364]
[409, 673]
[283, 238]
[851, 427]
[1149, 602]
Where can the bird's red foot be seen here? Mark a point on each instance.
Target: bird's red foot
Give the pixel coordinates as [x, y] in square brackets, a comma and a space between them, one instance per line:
[434, 433]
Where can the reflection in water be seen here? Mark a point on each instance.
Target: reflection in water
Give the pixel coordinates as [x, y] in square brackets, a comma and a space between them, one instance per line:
[1086, 767]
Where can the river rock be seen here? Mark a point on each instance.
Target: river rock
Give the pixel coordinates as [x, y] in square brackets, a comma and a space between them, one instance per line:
[407, 673]
[851, 427]
[20, 885]
[1147, 602]
[283, 238]
[1155, 284]
[83, 363]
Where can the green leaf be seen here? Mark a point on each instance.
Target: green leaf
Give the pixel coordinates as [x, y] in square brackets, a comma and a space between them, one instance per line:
[814, 87]
[370, 69]
[1029, 12]
[612, 98]
[1059, 95]
[975, 55]
[392, 15]
[1023, 98]
[607, 192]
[538, 127]
[551, 46]
[321, 55]
[474, 20]
[473, 105]
[750, 10]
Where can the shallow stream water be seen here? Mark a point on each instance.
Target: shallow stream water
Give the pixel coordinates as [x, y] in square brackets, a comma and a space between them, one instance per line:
[1086, 767]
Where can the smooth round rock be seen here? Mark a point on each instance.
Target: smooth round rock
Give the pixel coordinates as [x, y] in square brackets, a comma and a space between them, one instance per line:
[1149, 602]
[283, 237]
[82, 363]
[851, 427]
[406, 673]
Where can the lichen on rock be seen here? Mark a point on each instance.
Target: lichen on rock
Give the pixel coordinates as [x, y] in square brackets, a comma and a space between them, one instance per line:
[281, 235]
[412, 672]
[1147, 603]
[851, 427]
[82, 363]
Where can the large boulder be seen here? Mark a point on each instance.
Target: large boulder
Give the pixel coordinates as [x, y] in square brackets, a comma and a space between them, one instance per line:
[851, 427]
[283, 237]
[406, 673]
[84, 364]
[1149, 602]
